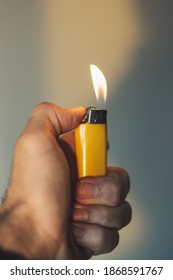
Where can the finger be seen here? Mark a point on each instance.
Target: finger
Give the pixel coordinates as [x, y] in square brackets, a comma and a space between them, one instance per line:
[98, 239]
[110, 217]
[56, 119]
[110, 190]
[67, 143]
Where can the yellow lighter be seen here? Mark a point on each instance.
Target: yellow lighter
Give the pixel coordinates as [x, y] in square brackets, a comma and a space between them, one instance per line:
[91, 143]
[91, 134]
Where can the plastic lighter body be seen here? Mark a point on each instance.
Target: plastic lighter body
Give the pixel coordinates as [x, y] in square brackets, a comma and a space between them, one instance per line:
[91, 144]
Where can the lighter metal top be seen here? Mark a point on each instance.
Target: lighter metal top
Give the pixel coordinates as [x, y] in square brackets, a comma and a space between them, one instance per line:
[95, 115]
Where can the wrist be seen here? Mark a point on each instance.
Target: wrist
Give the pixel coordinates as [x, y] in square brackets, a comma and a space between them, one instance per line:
[19, 234]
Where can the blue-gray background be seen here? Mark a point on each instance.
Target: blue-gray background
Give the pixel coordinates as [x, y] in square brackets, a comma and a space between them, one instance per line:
[45, 51]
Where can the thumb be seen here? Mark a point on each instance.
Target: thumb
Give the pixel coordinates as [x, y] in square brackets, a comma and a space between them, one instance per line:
[59, 120]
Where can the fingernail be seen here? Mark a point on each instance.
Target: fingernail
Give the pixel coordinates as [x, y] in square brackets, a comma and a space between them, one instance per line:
[80, 214]
[88, 190]
[78, 231]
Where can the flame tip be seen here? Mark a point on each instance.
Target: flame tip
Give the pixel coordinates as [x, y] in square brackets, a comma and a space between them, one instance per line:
[99, 83]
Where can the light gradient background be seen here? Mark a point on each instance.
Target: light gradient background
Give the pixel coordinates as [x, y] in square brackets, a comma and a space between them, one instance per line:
[45, 51]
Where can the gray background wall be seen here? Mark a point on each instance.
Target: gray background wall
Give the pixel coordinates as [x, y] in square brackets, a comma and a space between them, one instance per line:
[45, 51]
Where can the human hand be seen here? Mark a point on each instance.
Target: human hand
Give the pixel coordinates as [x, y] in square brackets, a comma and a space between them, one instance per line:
[36, 211]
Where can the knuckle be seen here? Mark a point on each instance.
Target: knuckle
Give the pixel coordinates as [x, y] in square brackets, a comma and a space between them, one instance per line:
[128, 212]
[113, 237]
[99, 215]
[108, 237]
[112, 192]
[115, 194]
[106, 217]
[99, 237]
[125, 178]
[115, 240]
[43, 105]
[124, 173]
[126, 215]
[118, 186]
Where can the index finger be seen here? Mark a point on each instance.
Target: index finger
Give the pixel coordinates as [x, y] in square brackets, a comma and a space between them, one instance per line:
[110, 190]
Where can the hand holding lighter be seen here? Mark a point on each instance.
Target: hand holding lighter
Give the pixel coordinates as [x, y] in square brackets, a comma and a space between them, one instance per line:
[91, 143]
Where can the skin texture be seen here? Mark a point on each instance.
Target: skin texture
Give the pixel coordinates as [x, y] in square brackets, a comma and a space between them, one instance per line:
[49, 214]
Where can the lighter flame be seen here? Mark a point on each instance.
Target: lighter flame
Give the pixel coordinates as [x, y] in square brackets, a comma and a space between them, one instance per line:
[99, 84]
